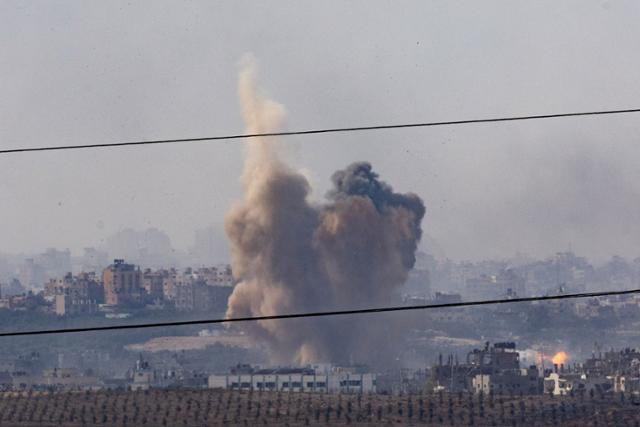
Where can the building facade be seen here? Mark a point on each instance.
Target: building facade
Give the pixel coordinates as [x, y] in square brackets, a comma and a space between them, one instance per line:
[122, 283]
[78, 294]
[305, 379]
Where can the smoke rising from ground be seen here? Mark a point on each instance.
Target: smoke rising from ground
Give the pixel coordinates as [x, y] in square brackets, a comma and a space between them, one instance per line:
[291, 255]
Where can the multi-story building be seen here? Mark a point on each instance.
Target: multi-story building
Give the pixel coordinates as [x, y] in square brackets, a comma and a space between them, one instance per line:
[183, 297]
[203, 289]
[197, 295]
[81, 286]
[75, 294]
[122, 283]
[216, 276]
[170, 281]
[491, 369]
[152, 282]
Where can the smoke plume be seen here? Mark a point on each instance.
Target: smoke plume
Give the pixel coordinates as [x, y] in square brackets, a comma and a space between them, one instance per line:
[290, 255]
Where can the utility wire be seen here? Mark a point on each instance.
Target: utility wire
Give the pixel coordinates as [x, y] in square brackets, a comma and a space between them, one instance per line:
[318, 131]
[321, 313]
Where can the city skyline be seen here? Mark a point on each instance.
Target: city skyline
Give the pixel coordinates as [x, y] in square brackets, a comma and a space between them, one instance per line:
[319, 213]
[490, 190]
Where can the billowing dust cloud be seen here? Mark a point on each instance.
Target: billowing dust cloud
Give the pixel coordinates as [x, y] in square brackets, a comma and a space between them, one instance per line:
[292, 256]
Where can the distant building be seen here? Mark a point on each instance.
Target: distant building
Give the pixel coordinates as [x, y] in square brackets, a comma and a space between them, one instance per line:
[122, 283]
[209, 244]
[66, 305]
[525, 381]
[558, 385]
[81, 286]
[93, 260]
[199, 296]
[203, 289]
[613, 371]
[152, 283]
[14, 287]
[143, 377]
[32, 275]
[491, 369]
[170, 280]
[78, 294]
[506, 283]
[60, 379]
[54, 262]
[500, 356]
[295, 379]
[216, 276]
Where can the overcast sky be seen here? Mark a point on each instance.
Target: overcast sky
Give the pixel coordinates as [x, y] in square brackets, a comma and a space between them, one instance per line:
[77, 72]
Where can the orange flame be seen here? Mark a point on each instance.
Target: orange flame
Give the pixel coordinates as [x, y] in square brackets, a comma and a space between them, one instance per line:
[559, 358]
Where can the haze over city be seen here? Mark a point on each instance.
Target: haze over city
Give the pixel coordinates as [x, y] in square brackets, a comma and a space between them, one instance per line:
[359, 268]
[490, 190]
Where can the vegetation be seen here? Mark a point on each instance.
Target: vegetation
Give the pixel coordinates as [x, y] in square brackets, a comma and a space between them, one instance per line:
[204, 407]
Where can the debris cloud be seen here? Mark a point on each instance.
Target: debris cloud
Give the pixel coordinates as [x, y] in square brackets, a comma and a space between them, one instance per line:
[290, 255]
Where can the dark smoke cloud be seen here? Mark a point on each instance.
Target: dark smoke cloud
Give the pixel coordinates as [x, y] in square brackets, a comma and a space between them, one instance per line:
[359, 179]
[353, 251]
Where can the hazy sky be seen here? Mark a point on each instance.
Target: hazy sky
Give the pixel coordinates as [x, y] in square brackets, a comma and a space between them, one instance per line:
[87, 72]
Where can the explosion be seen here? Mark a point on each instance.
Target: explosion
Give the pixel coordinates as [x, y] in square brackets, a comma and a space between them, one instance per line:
[291, 256]
[559, 358]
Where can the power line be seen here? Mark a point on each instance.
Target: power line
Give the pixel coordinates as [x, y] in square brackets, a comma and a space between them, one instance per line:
[321, 313]
[318, 131]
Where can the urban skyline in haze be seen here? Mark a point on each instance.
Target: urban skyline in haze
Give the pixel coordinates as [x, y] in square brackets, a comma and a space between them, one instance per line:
[491, 190]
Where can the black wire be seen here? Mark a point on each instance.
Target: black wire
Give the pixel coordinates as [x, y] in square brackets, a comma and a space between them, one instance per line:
[317, 131]
[323, 313]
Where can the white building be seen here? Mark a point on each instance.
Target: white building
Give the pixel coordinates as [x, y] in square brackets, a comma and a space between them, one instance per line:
[557, 385]
[295, 380]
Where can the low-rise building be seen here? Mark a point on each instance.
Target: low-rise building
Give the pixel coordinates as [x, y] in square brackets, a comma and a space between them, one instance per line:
[296, 379]
[66, 305]
[78, 294]
[57, 378]
[611, 372]
[525, 381]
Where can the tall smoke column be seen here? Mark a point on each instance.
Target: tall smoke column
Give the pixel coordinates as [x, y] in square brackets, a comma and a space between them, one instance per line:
[292, 256]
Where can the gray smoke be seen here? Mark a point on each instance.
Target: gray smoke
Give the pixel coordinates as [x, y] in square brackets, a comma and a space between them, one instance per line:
[353, 251]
